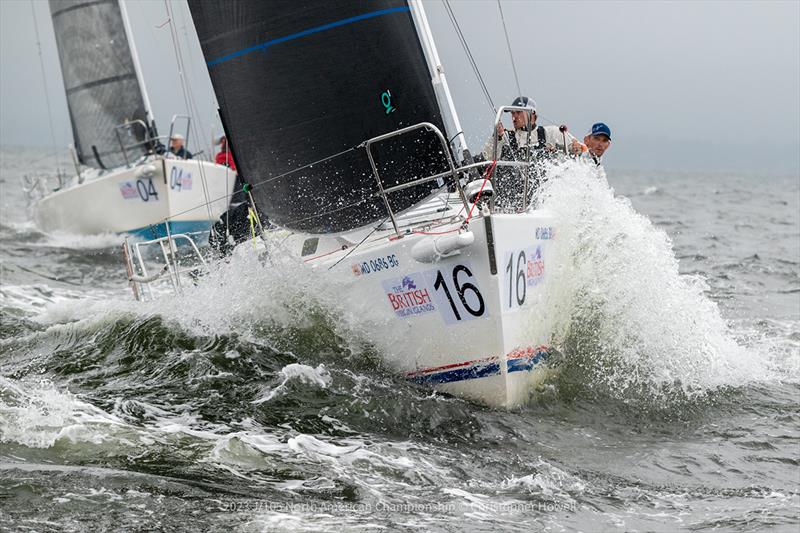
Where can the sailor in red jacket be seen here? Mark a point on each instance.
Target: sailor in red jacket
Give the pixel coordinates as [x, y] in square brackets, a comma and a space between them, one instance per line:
[224, 156]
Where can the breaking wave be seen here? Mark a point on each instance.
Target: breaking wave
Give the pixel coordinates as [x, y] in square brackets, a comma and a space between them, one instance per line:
[72, 241]
[628, 322]
[30, 232]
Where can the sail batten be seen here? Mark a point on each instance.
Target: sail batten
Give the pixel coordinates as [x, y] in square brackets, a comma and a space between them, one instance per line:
[100, 80]
[80, 5]
[95, 83]
[300, 81]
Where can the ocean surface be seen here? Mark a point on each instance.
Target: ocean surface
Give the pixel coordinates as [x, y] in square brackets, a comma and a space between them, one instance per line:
[255, 402]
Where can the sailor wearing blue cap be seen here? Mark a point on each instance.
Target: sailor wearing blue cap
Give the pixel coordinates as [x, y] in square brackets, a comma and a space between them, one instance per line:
[511, 143]
[596, 142]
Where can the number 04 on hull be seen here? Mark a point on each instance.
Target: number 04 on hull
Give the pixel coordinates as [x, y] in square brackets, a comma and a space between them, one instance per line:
[190, 195]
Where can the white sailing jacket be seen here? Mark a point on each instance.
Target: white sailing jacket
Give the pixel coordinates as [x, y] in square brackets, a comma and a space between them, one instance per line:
[553, 140]
[594, 162]
[591, 159]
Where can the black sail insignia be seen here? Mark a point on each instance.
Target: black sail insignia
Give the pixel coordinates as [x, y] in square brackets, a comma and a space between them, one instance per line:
[307, 81]
[99, 79]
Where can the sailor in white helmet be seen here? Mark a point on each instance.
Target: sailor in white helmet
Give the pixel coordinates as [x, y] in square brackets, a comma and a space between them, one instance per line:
[512, 144]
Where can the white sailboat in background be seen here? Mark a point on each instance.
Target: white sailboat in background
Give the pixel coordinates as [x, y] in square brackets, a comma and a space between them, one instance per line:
[121, 184]
[337, 112]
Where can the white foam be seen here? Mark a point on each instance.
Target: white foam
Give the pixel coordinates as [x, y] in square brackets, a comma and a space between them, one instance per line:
[316, 376]
[319, 377]
[242, 295]
[38, 415]
[35, 298]
[618, 299]
[547, 480]
[64, 239]
[25, 226]
[779, 343]
[60, 239]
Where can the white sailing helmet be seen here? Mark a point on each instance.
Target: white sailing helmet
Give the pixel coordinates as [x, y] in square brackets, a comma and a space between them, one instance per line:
[524, 101]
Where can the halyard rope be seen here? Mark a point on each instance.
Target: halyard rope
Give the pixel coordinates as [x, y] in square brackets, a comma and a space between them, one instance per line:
[508, 43]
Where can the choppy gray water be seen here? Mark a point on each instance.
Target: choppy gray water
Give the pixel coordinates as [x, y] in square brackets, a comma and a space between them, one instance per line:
[254, 401]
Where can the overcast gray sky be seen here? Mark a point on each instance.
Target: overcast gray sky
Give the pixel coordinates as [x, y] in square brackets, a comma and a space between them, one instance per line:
[684, 85]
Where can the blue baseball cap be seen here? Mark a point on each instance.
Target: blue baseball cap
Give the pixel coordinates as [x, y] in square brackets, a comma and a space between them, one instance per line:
[600, 129]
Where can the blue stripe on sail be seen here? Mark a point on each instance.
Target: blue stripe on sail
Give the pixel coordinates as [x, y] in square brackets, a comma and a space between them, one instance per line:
[309, 31]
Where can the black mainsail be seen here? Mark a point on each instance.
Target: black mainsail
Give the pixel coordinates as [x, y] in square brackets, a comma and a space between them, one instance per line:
[99, 79]
[304, 81]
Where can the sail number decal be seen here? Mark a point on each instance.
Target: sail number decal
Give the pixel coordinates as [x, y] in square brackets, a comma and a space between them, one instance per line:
[144, 189]
[464, 299]
[180, 179]
[524, 269]
[375, 265]
[453, 291]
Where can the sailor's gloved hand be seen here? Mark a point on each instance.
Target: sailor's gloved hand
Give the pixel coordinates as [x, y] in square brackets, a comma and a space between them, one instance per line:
[500, 130]
[577, 147]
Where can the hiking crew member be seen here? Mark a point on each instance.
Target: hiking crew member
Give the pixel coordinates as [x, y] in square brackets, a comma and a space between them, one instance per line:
[544, 141]
[512, 144]
[595, 144]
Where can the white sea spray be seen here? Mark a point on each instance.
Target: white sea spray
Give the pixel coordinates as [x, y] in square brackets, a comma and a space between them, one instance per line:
[619, 305]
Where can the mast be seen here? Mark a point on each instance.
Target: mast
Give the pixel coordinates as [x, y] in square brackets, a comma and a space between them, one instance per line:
[438, 79]
[136, 66]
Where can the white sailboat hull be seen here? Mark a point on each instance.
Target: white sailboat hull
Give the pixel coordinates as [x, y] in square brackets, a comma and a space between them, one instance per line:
[191, 194]
[458, 323]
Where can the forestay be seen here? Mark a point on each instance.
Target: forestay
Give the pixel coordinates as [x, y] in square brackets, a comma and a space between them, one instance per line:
[99, 79]
[301, 81]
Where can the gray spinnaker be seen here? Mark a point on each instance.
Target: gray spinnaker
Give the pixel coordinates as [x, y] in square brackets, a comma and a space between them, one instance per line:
[298, 81]
[99, 80]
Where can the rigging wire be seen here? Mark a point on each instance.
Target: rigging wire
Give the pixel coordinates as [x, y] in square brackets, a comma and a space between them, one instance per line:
[354, 248]
[192, 75]
[188, 98]
[486, 178]
[474, 65]
[454, 137]
[318, 161]
[508, 44]
[267, 180]
[471, 59]
[513, 63]
[46, 92]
